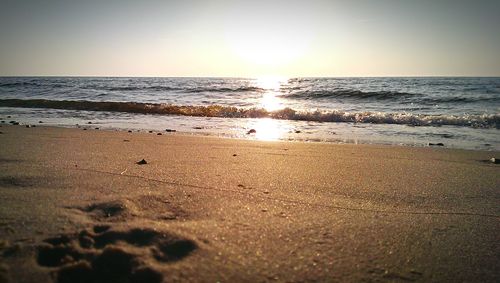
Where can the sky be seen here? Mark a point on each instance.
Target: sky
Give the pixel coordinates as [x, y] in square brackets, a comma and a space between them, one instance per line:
[322, 38]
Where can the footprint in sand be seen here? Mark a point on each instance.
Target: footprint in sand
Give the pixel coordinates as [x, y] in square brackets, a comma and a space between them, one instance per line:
[107, 255]
[152, 207]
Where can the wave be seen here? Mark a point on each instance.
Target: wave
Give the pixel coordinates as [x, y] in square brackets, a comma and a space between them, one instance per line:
[437, 100]
[349, 93]
[134, 88]
[18, 84]
[476, 121]
[179, 89]
[224, 89]
[127, 88]
[385, 95]
[34, 84]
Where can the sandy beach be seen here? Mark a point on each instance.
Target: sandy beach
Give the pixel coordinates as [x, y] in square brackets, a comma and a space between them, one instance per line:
[76, 207]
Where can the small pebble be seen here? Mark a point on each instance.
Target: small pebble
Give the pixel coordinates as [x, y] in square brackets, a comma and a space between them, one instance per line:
[142, 162]
[9, 116]
[170, 130]
[235, 154]
[89, 122]
[97, 128]
[495, 160]
[150, 132]
[297, 132]
[28, 126]
[84, 129]
[436, 144]
[40, 122]
[158, 134]
[251, 131]
[129, 131]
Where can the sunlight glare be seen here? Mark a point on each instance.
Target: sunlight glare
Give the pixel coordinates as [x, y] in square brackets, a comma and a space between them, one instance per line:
[272, 85]
[268, 129]
[270, 102]
[270, 82]
[268, 48]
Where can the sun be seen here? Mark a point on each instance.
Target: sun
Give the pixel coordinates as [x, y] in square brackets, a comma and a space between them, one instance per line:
[266, 49]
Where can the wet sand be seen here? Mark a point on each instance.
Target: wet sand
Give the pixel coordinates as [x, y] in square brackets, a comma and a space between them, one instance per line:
[75, 207]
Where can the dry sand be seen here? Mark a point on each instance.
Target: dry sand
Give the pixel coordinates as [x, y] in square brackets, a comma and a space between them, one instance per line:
[75, 207]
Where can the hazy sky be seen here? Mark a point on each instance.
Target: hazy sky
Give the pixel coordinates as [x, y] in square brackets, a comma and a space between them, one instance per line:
[250, 38]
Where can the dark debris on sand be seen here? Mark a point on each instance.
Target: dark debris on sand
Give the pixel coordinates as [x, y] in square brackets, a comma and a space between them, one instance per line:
[436, 144]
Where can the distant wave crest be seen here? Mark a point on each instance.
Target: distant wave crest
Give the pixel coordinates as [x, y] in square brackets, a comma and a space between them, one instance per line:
[382, 95]
[224, 89]
[178, 89]
[477, 121]
[129, 88]
[349, 93]
[134, 88]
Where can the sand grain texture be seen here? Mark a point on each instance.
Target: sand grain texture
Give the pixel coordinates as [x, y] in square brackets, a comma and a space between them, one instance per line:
[75, 207]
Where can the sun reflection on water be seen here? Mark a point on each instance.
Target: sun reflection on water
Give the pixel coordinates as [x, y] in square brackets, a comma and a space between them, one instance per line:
[268, 129]
[270, 101]
[270, 83]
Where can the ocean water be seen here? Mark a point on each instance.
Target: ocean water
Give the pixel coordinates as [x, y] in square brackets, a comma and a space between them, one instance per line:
[456, 111]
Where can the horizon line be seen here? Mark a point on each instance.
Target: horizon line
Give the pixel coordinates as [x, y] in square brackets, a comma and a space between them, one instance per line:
[249, 77]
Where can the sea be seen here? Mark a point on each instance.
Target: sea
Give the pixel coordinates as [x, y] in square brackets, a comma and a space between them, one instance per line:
[450, 112]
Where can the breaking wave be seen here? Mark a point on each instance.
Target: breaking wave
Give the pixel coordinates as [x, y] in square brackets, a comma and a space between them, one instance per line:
[476, 121]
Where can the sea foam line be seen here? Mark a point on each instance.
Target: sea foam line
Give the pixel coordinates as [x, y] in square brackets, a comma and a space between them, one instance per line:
[476, 121]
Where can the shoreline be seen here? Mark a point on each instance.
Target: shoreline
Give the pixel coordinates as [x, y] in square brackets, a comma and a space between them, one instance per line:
[271, 130]
[216, 209]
